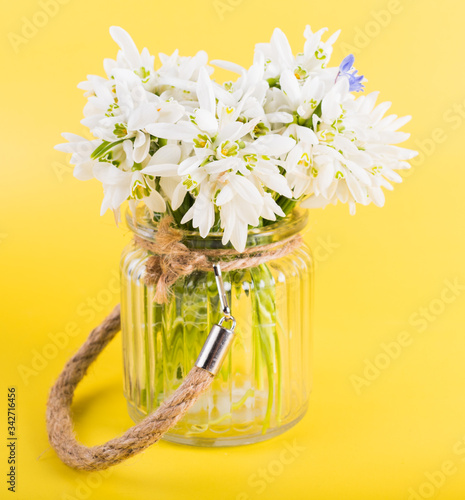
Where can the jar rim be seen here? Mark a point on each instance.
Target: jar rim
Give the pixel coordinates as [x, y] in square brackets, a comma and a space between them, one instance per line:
[143, 225]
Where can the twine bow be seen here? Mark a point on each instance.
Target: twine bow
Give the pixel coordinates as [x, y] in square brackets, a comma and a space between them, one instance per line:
[172, 259]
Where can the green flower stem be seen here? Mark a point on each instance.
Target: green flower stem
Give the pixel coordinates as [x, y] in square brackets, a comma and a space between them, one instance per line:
[267, 355]
[286, 204]
[258, 358]
[265, 327]
[159, 347]
[173, 334]
[146, 327]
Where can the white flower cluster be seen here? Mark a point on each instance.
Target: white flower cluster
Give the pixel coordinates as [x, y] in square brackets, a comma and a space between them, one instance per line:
[225, 157]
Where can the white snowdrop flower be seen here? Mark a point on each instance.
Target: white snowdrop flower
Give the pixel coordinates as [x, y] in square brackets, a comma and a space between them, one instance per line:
[81, 150]
[278, 56]
[142, 65]
[138, 182]
[177, 77]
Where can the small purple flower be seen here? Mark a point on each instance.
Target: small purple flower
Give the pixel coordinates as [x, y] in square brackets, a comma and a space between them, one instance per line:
[346, 64]
[355, 82]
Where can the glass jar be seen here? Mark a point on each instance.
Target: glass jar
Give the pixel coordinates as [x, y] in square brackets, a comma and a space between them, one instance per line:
[263, 386]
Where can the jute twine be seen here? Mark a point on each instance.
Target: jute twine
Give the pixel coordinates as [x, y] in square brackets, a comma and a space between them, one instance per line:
[171, 260]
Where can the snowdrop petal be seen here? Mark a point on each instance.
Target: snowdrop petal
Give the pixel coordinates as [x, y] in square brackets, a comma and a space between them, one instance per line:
[399, 122]
[225, 196]
[218, 166]
[229, 66]
[181, 131]
[155, 202]
[279, 117]
[394, 137]
[141, 152]
[355, 189]
[271, 208]
[204, 215]
[281, 45]
[275, 182]
[206, 121]
[128, 148]
[188, 216]
[306, 135]
[84, 171]
[273, 145]
[140, 139]
[325, 177]
[342, 192]
[239, 236]
[377, 196]
[180, 83]
[109, 174]
[290, 86]
[379, 111]
[128, 47]
[314, 202]
[171, 153]
[178, 196]
[249, 214]
[391, 175]
[114, 197]
[161, 170]
[245, 189]
[168, 185]
[142, 116]
[244, 129]
[205, 92]
[188, 166]
[232, 131]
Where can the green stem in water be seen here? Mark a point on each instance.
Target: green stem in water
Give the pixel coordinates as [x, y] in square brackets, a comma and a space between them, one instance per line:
[265, 328]
[147, 403]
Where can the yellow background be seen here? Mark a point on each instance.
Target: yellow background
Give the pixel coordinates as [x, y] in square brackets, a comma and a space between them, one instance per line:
[376, 272]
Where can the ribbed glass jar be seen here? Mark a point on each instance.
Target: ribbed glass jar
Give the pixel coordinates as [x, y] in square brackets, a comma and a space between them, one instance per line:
[263, 386]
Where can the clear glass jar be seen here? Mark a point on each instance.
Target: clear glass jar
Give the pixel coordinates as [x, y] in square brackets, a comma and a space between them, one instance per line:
[263, 386]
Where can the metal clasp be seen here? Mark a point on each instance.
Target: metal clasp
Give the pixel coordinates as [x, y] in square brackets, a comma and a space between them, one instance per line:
[223, 297]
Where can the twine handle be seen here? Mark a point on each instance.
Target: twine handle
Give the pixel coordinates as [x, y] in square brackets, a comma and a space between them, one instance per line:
[171, 259]
[134, 440]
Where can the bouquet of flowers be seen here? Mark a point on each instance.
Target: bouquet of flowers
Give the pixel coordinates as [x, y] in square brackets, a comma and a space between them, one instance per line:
[226, 157]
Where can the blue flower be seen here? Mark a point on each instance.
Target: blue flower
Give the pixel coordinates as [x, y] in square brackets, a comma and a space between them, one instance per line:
[355, 82]
[346, 64]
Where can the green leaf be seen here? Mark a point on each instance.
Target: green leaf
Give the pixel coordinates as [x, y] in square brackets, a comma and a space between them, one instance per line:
[103, 148]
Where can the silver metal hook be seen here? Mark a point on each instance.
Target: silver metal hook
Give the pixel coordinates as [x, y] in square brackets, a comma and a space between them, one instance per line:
[221, 291]
[223, 297]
